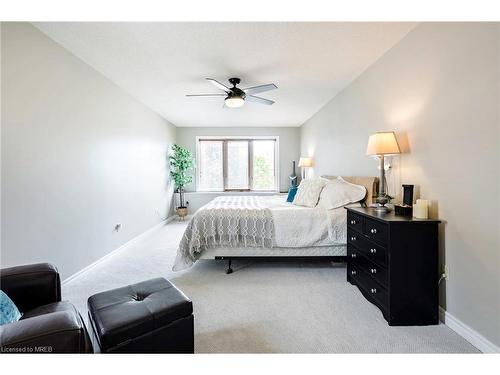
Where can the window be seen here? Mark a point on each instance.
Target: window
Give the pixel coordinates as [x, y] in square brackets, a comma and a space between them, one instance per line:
[237, 164]
[210, 171]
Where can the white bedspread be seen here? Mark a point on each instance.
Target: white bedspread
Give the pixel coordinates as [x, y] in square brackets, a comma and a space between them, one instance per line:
[258, 221]
[296, 226]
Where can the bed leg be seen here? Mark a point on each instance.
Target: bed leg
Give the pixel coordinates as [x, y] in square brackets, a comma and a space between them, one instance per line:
[229, 269]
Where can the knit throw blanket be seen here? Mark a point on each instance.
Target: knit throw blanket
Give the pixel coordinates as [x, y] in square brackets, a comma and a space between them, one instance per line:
[243, 221]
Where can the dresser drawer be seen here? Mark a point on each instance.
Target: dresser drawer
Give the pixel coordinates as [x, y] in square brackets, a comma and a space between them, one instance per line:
[354, 237]
[371, 250]
[355, 222]
[376, 230]
[374, 252]
[352, 254]
[376, 272]
[369, 287]
[351, 270]
[358, 259]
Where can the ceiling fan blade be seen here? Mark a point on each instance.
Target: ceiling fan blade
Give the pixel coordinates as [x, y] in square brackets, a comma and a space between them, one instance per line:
[208, 95]
[261, 88]
[257, 99]
[219, 85]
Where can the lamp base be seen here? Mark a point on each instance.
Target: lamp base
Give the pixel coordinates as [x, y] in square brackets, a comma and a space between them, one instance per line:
[382, 209]
[303, 173]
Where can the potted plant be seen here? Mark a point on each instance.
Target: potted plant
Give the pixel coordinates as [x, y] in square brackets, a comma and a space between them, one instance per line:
[181, 163]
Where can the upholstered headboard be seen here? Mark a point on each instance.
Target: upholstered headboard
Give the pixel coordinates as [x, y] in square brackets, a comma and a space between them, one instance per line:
[370, 183]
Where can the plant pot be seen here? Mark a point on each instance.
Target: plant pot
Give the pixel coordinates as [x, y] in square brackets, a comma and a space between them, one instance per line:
[182, 212]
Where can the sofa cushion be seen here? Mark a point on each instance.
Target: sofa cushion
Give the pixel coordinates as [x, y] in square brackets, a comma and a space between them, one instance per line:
[125, 313]
[50, 308]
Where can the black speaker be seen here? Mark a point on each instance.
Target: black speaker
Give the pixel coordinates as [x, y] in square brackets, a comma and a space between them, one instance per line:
[405, 209]
[408, 195]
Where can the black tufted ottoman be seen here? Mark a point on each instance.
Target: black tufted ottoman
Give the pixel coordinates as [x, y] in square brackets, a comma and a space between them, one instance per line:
[149, 317]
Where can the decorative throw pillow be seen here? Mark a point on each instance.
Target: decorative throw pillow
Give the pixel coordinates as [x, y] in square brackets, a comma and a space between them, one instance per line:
[291, 193]
[308, 191]
[8, 311]
[339, 192]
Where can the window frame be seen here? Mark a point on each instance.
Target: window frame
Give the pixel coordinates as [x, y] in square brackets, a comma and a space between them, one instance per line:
[249, 139]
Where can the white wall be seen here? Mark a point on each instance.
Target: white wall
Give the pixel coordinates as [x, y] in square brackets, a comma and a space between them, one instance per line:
[79, 155]
[439, 90]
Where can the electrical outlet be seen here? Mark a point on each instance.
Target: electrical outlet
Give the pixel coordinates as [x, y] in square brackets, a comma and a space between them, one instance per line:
[446, 272]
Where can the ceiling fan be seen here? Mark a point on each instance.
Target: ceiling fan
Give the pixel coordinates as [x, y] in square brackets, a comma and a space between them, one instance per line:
[236, 97]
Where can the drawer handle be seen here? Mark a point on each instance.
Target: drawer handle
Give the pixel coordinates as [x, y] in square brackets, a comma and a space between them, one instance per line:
[353, 222]
[373, 270]
[353, 238]
[373, 290]
[353, 272]
[353, 255]
[373, 251]
[374, 231]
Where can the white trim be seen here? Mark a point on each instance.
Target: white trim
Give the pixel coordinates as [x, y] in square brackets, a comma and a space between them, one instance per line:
[472, 336]
[126, 244]
[208, 137]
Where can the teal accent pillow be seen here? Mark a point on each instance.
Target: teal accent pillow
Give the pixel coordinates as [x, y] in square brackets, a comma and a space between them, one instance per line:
[291, 193]
[8, 310]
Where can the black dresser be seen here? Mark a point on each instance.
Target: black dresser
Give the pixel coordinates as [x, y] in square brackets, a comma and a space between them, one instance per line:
[393, 260]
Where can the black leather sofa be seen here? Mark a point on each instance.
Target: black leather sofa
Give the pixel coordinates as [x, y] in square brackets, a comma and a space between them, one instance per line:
[48, 325]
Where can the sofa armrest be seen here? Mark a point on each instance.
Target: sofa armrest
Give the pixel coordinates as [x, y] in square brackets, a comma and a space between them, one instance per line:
[57, 332]
[32, 285]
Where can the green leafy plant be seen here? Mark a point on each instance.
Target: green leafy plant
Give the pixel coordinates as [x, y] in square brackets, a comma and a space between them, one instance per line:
[181, 164]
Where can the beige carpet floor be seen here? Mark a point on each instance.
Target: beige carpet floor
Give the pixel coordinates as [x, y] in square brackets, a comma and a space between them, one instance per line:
[284, 306]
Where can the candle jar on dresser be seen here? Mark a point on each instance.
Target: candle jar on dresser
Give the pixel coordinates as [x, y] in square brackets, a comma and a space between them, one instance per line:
[421, 209]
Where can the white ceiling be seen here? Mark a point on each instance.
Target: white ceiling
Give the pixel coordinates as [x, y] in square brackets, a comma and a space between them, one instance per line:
[158, 63]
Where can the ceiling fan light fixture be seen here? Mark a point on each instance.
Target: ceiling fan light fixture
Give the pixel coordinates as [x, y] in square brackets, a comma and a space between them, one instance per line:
[236, 97]
[234, 101]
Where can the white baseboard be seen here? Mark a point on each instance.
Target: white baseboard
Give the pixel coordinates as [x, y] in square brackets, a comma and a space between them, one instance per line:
[126, 244]
[472, 336]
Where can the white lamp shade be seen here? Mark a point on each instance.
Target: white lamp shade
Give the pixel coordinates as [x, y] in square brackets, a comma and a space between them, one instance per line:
[382, 143]
[305, 162]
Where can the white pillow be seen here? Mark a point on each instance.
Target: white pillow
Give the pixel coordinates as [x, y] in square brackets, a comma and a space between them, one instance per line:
[339, 192]
[308, 191]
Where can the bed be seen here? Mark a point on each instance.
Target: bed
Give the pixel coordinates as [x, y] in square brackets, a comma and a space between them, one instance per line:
[231, 227]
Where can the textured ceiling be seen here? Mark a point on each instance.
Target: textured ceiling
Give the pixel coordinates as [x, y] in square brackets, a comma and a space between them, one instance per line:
[158, 63]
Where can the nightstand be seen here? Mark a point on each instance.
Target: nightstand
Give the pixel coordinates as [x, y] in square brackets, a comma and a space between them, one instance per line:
[393, 260]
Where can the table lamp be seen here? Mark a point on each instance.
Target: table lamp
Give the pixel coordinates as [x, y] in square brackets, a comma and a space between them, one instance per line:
[305, 162]
[381, 144]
